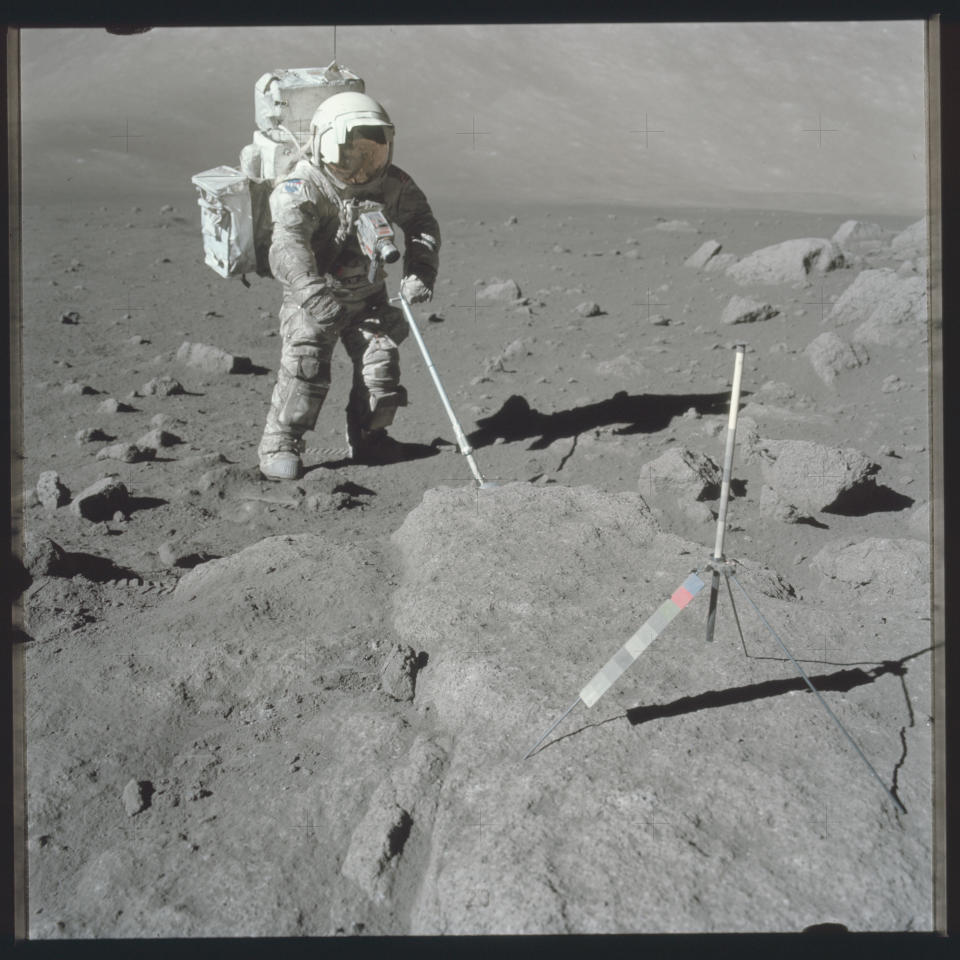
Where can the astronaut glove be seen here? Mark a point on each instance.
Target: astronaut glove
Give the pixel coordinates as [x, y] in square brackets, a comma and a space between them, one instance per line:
[414, 290]
[327, 313]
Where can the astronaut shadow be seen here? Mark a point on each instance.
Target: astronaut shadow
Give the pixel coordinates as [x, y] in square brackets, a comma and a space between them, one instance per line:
[639, 413]
[400, 452]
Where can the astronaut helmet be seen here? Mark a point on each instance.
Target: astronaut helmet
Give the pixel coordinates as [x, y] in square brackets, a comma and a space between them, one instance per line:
[352, 137]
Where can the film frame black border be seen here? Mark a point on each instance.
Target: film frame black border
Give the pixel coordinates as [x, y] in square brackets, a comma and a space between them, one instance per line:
[941, 151]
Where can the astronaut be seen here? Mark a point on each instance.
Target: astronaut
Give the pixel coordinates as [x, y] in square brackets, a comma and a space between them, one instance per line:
[327, 291]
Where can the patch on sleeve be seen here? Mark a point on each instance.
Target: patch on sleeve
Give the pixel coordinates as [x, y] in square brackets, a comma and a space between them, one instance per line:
[429, 242]
[293, 186]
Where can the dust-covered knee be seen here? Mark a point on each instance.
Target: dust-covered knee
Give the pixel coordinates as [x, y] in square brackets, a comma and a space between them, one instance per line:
[302, 385]
[380, 373]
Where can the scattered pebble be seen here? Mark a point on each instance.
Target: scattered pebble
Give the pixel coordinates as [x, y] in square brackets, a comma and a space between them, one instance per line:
[71, 316]
[588, 309]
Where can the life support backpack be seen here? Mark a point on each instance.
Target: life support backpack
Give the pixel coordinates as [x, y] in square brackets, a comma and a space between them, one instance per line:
[234, 203]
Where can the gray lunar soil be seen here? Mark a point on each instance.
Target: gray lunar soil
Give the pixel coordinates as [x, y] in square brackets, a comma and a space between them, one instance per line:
[301, 708]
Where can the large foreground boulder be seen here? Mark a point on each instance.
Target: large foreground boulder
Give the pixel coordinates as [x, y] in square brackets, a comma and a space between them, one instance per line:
[792, 261]
[252, 702]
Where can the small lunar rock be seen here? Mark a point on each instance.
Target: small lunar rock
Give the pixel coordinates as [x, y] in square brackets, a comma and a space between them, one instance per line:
[886, 451]
[498, 290]
[435, 318]
[162, 387]
[510, 221]
[70, 317]
[126, 452]
[745, 310]
[633, 254]
[119, 517]
[45, 558]
[398, 672]
[892, 384]
[588, 309]
[136, 796]
[691, 414]
[89, 434]
[137, 340]
[166, 208]
[75, 388]
[211, 359]
[557, 248]
[51, 491]
[111, 405]
[158, 438]
[703, 254]
[658, 320]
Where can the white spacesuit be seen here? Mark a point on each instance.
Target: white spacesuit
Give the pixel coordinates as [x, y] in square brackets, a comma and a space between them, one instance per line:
[327, 288]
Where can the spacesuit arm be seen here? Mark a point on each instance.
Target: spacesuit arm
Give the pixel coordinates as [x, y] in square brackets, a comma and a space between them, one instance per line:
[295, 219]
[421, 234]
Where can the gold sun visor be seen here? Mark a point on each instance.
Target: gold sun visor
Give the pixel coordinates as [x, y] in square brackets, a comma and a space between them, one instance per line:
[364, 155]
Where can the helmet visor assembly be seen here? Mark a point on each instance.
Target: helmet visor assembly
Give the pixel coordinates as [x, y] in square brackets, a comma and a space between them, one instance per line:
[364, 153]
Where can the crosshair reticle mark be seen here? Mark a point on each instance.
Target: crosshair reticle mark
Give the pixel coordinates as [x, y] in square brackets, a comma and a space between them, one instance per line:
[646, 131]
[820, 302]
[648, 303]
[820, 129]
[126, 136]
[473, 132]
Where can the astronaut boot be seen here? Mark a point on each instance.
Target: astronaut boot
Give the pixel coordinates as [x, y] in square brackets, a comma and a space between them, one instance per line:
[282, 460]
[367, 439]
[279, 450]
[374, 399]
[302, 383]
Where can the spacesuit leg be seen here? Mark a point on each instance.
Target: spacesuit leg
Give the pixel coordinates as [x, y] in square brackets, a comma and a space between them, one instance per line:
[376, 392]
[303, 380]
